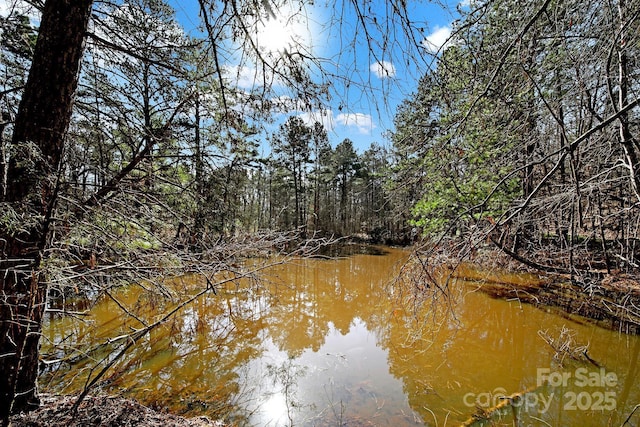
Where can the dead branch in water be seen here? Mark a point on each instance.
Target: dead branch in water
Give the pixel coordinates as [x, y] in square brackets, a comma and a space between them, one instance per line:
[630, 415]
[485, 414]
[132, 338]
[565, 346]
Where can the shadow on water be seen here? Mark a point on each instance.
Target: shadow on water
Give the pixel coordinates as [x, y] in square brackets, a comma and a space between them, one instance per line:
[339, 250]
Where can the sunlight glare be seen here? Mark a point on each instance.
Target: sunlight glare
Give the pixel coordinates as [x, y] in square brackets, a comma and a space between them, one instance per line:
[290, 30]
[276, 409]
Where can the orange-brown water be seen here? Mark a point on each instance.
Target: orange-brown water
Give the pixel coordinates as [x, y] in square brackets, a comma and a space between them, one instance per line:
[322, 342]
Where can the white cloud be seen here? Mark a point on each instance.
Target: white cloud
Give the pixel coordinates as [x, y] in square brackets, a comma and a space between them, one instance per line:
[322, 116]
[383, 69]
[5, 7]
[249, 77]
[244, 77]
[438, 39]
[364, 122]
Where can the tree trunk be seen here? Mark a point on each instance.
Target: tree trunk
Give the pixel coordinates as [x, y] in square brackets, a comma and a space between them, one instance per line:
[199, 173]
[296, 192]
[626, 138]
[37, 150]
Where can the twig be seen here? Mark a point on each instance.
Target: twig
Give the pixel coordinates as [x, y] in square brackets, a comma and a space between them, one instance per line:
[630, 415]
[134, 337]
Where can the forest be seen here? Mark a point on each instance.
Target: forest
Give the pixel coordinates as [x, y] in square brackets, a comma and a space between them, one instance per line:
[128, 152]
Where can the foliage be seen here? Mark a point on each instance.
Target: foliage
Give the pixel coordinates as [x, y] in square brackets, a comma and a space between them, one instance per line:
[456, 151]
[145, 152]
[524, 136]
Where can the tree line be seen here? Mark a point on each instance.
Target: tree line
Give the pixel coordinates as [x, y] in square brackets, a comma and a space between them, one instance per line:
[525, 136]
[128, 143]
[150, 125]
[122, 136]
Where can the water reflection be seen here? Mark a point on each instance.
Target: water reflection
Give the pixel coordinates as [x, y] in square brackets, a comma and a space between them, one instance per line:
[346, 379]
[328, 342]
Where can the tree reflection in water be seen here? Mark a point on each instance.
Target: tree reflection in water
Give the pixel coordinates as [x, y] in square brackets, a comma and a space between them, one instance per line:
[322, 342]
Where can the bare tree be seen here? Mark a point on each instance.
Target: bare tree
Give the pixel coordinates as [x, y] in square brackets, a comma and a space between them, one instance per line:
[35, 173]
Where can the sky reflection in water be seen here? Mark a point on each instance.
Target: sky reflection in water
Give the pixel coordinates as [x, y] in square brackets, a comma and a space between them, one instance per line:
[331, 342]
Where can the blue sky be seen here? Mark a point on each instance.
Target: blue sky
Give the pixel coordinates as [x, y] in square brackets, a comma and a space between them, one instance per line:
[381, 79]
[380, 76]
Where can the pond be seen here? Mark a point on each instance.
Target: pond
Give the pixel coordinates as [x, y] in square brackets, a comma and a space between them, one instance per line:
[339, 342]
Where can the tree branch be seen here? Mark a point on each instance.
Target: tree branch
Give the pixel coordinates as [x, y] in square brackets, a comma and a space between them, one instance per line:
[111, 186]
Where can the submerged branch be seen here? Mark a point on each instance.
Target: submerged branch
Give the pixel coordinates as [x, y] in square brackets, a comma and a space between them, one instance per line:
[565, 346]
[132, 338]
[631, 415]
[485, 414]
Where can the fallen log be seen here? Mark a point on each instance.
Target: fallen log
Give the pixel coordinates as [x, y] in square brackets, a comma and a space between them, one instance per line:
[485, 414]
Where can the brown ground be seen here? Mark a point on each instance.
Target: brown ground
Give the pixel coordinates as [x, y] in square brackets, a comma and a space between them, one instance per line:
[103, 411]
[612, 301]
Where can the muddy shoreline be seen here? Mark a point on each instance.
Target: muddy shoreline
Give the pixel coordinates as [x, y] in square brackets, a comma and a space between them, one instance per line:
[102, 411]
[610, 301]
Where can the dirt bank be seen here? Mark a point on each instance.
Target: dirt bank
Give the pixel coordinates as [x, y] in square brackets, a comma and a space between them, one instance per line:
[102, 411]
[608, 300]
